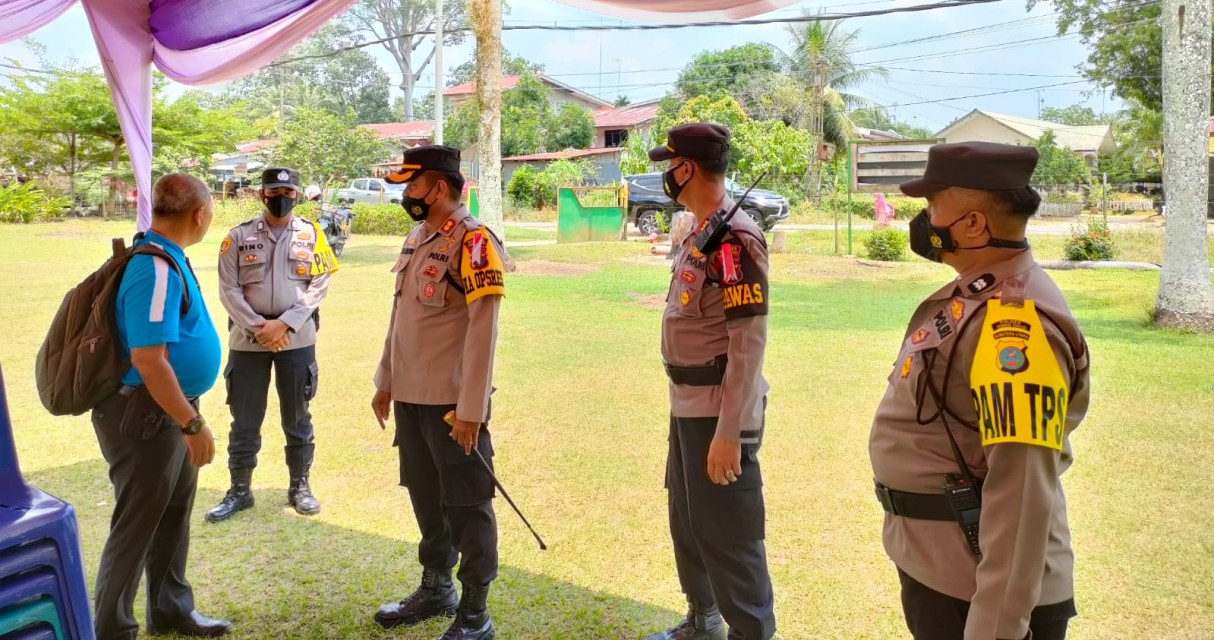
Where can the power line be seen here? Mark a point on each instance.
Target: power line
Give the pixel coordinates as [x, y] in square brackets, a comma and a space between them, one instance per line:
[821, 17]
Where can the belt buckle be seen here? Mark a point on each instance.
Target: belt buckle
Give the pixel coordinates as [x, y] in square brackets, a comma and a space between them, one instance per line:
[884, 497]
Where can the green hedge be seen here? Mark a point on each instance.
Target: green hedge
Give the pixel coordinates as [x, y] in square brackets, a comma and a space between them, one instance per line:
[371, 219]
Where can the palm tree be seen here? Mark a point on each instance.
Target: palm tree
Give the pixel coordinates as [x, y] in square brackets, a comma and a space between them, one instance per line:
[1141, 129]
[821, 63]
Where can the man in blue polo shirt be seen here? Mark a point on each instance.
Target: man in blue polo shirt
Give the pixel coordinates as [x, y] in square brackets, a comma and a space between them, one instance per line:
[150, 431]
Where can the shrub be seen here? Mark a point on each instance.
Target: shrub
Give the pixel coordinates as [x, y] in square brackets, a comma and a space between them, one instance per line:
[381, 219]
[373, 219]
[887, 244]
[26, 203]
[1091, 241]
[522, 186]
[562, 173]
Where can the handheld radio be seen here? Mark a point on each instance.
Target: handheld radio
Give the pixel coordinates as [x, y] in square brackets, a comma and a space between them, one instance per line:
[710, 237]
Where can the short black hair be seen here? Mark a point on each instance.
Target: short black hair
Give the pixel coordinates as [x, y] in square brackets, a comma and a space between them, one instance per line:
[176, 195]
[1023, 201]
[455, 182]
[715, 168]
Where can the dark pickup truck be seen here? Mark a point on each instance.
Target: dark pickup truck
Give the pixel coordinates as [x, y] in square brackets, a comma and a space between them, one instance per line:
[646, 198]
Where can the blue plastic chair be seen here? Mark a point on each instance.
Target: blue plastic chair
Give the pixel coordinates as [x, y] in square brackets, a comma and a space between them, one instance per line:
[28, 515]
[26, 588]
[37, 632]
[36, 618]
[35, 555]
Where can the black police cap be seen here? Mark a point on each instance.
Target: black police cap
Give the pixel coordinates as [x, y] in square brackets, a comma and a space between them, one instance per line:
[273, 177]
[698, 141]
[986, 166]
[431, 157]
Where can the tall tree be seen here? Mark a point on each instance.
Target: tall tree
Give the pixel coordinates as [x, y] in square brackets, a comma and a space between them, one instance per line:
[396, 24]
[1186, 295]
[1125, 45]
[51, 121]
[512, 65]
[1058, 166]
[718, 73]
[318, 73]
[325, 148]
[1076, 115]
[1139, 132]
[821, 62]
[485, 18]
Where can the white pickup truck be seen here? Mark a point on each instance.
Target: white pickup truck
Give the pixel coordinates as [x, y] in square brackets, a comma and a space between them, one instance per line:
[370, 191]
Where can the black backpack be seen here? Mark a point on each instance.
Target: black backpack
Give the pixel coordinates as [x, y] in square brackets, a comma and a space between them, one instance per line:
[81, 361]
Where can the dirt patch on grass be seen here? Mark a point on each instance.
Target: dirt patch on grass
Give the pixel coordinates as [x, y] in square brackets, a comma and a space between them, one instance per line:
[649, 300]
[547, 268]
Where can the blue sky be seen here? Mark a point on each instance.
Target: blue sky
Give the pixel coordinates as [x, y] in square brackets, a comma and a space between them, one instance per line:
[644, 65]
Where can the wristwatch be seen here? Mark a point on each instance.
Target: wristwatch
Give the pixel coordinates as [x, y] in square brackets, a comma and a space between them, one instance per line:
[194, 425]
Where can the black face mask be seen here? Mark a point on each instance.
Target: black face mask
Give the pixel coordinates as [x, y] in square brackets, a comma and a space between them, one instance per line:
[671, 185]
[280, 206]
[932, 242]
[417, 208]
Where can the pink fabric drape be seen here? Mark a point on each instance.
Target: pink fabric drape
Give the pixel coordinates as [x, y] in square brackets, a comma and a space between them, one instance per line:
[680, 10]
[19, 18]
[248, 53]
[128, 50]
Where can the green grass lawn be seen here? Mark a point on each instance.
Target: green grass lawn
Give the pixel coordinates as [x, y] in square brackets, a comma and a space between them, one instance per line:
[580, 430]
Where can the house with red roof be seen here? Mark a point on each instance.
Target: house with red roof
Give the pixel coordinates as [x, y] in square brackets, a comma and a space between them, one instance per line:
[561, 93]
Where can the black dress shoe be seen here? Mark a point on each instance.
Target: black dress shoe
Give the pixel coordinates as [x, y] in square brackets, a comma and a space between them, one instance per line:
[195, 625]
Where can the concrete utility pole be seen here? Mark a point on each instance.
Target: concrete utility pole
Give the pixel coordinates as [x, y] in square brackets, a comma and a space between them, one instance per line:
[485, 16]
[438, 71]
[1186, 296]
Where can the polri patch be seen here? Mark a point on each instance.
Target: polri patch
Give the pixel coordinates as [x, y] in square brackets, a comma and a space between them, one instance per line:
[225, 245]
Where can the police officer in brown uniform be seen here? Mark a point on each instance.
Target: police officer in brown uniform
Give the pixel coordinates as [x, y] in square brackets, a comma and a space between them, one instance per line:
[714, 332]
[438, 358]
[972, 436]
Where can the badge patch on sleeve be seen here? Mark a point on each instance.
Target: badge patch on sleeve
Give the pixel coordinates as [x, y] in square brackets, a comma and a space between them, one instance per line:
[1017, 402]
[729, 262]
[225, 245]
[481, 267]
[323, 258]
[744, 293]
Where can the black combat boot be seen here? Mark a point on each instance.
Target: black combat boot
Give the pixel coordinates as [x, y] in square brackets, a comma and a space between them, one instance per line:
[701, 623]
[300, 494]
[472, 621]
[435, 597]
[238, 498]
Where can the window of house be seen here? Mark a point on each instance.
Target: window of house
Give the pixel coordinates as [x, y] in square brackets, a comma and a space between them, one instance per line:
[615, 137]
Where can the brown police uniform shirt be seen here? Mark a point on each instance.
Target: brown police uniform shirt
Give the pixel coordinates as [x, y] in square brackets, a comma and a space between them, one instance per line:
[1023, 532]
[440, 347]
[717, 305]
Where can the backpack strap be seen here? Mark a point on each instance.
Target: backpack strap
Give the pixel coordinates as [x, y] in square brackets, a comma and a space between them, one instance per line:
[153, 250]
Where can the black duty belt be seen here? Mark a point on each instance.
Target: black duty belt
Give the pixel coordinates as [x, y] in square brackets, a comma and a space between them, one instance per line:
[921, 506]
[711, 375]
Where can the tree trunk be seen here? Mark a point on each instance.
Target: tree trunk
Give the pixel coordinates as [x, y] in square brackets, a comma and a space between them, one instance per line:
[1186, 295]
[485, 17]
[407, 83]
[112, 198]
